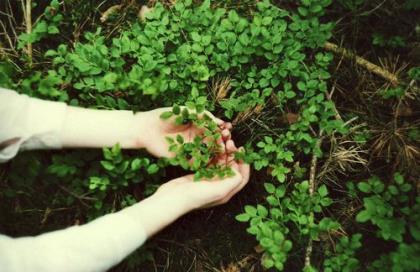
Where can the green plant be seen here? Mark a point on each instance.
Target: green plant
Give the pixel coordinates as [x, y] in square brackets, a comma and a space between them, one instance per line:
[352, 5]
[279, 100]
[343, 258]
[385, 206]
[196, 155]
[46, 25]
[296, 210]
[393, 41]
[388, 207]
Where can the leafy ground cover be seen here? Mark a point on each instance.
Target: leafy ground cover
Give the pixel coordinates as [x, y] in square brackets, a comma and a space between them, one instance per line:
[333, 138]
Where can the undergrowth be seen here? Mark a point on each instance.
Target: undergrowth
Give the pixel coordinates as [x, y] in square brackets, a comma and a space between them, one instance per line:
[263, 68]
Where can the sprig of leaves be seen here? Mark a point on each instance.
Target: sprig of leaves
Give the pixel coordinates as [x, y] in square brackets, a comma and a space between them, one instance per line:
[200, 154]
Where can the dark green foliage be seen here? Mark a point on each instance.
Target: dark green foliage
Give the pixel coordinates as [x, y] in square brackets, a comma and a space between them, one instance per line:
[389, 208]
[48, 25]
[275, 62]
[344, 258]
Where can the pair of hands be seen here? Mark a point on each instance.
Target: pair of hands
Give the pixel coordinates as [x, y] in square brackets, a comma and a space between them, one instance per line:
[189, 193]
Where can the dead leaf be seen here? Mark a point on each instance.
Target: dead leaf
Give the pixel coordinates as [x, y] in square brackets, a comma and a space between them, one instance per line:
[404, 111]
[143, 12]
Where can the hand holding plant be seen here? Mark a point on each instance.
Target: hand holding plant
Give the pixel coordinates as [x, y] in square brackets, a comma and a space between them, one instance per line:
[155, 131]
[208, 193]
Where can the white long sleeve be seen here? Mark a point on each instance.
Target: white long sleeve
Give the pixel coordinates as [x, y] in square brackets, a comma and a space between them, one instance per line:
[29, 123]
[96, 246]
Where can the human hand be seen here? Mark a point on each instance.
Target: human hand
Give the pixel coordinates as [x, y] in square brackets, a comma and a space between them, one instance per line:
[153, 131]
[207, 193]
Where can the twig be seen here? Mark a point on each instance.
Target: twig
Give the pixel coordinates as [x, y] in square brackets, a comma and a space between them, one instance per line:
[363, 62]
[28, 23]
[80, 198]
[312, 185]
[110, 11]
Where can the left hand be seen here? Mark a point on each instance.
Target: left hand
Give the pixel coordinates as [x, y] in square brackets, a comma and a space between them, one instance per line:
[200, 194]
[154, 130]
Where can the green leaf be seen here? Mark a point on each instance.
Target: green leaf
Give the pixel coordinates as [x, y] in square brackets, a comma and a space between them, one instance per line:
[399, 179]
[136, 164]
[107, 165]
[206, 40]
[243, 217]
[364, 187]
[152, 169]
[287, 246]
[267, 20]
[195, 36]
[363, 216]
[233, 16]
[269, 187]
[176, 109]
[166, 115]
[323, 191]
[250, 210]
[280, 191]
[262, 211]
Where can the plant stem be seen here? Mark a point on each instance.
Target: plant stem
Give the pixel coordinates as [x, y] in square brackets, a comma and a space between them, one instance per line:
[312, 187]
[28, 23]
[363, 62]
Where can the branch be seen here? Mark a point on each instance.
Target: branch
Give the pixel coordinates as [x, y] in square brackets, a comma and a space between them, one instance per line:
[363, 62]
[312, 186]
[28, 23]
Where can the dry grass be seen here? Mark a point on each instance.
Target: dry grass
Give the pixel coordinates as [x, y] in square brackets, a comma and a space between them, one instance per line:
[393, 144]
[345, 156]
[220, 89]
[248, 114]
[8, 34]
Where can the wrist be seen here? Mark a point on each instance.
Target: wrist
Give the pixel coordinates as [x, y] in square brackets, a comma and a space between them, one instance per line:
[98, 128]
[159, 210]
[140, 128]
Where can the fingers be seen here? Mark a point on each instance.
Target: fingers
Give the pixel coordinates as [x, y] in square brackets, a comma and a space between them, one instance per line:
[230, 147]
[241, 185]
[218, 121]
[226, 136]
[244, 171]
[227, 125]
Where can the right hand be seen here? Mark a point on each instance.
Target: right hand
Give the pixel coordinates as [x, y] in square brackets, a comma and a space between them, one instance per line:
[153, 131]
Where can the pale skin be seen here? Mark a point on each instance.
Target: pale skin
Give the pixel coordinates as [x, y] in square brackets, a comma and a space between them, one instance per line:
[147, 130]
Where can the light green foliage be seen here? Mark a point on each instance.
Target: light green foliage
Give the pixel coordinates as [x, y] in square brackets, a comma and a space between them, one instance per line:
[196, 155]
[275, 61]
[292, 208]
[271, 225]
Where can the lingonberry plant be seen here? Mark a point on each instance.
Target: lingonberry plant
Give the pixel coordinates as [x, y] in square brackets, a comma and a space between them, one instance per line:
[277, 95]
[200, 153]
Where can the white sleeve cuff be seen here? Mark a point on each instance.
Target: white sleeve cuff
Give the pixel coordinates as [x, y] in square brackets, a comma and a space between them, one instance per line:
[37, 124]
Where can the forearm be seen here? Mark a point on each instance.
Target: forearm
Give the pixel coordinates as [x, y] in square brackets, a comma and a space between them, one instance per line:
[30, 123]
[158, 211]
[96, 246]
[99, 128]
